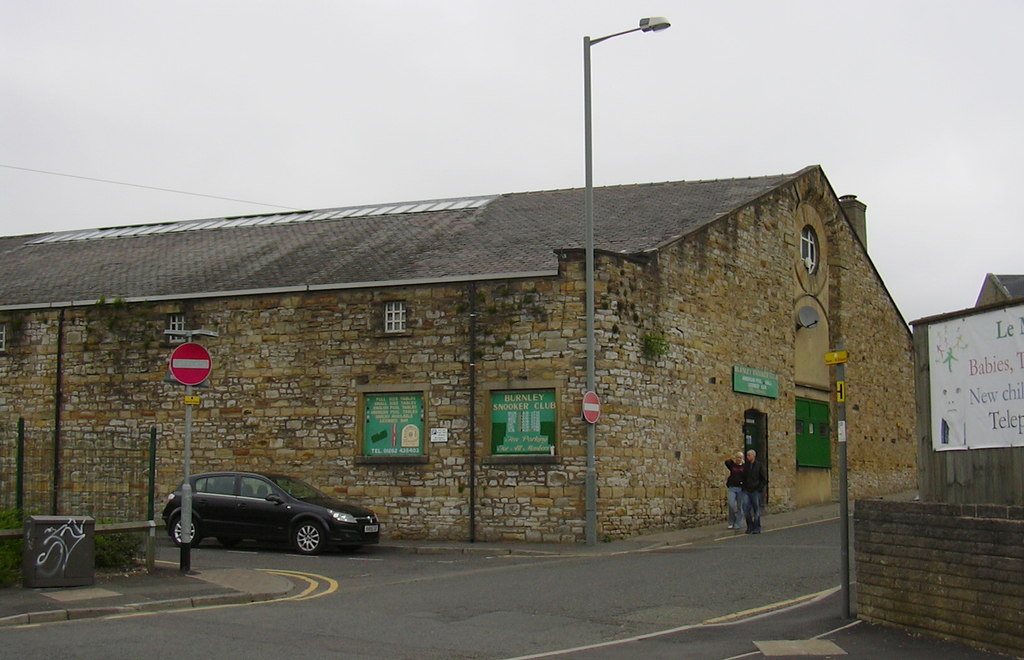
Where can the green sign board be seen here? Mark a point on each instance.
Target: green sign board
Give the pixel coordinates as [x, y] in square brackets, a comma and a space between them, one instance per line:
[393, 425]
[754, 381]
[523, 422]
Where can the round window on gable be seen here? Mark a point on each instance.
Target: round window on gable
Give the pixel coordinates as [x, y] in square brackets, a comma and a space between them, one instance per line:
[809, 249]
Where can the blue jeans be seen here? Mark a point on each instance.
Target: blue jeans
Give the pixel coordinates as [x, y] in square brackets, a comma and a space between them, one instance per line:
[735, 506]
[752, 510]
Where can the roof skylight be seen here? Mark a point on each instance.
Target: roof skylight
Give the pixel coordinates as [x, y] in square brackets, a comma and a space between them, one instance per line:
[427, 206]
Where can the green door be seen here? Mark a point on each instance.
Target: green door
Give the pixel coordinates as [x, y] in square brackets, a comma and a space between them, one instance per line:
[813, 446]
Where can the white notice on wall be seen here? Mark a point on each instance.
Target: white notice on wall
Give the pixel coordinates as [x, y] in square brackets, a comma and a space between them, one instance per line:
[439, 435]
[977, 380]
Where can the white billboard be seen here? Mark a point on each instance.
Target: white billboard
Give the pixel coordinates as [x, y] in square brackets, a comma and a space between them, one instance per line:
[977, 380]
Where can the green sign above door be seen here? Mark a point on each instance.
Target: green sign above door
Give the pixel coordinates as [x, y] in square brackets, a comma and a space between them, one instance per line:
[748, 380]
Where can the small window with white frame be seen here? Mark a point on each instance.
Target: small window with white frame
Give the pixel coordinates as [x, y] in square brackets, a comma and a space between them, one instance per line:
[394, 316]
[176, 322]
[809, 248]
[3, 337]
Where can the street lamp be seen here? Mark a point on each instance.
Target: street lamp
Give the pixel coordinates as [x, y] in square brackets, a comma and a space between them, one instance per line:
[590, 483]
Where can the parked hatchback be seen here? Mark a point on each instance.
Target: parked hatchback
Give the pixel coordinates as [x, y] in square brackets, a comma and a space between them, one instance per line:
[231, 506]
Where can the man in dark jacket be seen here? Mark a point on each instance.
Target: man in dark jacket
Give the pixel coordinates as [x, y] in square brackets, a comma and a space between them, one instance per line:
[755, 480]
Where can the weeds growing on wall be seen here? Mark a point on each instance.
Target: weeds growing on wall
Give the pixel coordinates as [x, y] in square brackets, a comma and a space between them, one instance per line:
[655, 345]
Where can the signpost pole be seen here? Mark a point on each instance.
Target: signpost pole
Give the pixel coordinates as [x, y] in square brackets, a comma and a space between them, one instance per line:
[185, 561]
[189, 364]
[844, 504]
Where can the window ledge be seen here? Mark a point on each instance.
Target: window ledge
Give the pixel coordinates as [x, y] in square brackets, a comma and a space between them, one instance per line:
[391, 460]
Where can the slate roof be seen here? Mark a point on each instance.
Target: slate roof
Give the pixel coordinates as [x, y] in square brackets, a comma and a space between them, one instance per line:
[1013, 285]
[506, 235]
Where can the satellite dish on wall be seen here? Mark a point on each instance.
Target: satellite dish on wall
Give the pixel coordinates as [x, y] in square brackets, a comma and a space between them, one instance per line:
[807, 317]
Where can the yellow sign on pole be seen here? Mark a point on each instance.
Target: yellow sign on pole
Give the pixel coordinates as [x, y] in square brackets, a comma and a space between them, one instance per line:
[835, 357]
[191, 400]
[840, 391]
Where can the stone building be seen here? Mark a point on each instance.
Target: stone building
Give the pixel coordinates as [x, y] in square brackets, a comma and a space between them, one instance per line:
[427, 359]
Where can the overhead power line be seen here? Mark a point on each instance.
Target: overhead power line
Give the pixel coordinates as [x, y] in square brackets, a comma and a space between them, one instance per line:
[137, 185]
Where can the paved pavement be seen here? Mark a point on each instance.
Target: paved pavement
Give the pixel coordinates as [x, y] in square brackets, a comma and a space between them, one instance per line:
[794, 631]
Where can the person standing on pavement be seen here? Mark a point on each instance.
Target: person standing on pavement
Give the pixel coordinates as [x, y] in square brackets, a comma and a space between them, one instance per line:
[755, 480]
[734, 484]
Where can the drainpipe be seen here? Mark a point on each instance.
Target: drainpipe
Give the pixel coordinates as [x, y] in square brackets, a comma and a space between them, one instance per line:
[58, 401]
[472, 412]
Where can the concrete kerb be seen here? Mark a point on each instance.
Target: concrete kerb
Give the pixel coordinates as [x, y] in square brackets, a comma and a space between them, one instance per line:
[244, 587]
[159, 605]
[212, 600]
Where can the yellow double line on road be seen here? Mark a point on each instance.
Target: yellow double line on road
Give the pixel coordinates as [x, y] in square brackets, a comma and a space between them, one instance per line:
[318, 585]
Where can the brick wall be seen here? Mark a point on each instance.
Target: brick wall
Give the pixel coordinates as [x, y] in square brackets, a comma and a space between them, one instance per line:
[948, 570]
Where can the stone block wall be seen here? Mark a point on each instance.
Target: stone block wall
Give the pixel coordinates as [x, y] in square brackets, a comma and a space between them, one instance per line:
[948, 570]
[291, 369]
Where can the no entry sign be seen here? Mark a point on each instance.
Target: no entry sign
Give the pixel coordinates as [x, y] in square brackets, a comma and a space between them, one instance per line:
[591, 407]
[190, 364]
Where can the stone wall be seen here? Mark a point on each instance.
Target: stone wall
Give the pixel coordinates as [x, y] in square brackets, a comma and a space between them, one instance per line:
[27, 390]
[952, 571]
[291, 370]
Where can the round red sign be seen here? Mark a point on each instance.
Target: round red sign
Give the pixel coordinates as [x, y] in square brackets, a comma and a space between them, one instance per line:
[591, 407]
[190, 364]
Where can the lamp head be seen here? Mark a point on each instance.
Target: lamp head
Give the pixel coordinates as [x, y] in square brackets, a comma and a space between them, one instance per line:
[654, 23]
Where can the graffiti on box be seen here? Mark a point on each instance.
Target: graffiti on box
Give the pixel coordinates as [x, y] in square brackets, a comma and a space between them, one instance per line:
[58, 544]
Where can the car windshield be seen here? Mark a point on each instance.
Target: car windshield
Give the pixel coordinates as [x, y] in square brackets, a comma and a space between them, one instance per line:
[300, 490]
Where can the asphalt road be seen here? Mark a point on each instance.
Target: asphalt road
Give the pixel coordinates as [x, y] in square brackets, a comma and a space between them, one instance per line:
[381, 603]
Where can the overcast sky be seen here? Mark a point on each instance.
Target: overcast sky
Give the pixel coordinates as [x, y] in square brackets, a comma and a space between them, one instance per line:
[914, 106]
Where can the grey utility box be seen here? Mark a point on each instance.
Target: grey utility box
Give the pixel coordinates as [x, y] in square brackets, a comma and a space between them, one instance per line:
[60, 551]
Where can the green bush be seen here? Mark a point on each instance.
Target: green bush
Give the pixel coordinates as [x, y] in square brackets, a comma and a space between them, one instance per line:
[118, 550]
[10, 549]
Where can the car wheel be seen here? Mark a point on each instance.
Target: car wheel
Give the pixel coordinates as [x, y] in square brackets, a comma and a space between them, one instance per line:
[174, 530]
[308, 537]
[228, 541]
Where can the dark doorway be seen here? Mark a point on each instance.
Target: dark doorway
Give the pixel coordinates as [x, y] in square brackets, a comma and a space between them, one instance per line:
[755, 436]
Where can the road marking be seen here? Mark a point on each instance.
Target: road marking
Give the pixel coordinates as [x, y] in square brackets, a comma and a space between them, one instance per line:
[726, 620]
[782, 604]
[315, 582]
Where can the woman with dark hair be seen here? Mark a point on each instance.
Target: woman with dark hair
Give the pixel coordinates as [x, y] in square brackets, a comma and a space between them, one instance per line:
[734, 484]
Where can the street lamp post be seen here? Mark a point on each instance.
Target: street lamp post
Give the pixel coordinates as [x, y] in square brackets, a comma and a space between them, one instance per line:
[590, 484]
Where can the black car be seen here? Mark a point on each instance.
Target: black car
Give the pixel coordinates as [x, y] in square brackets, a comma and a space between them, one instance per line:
[231, 506]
